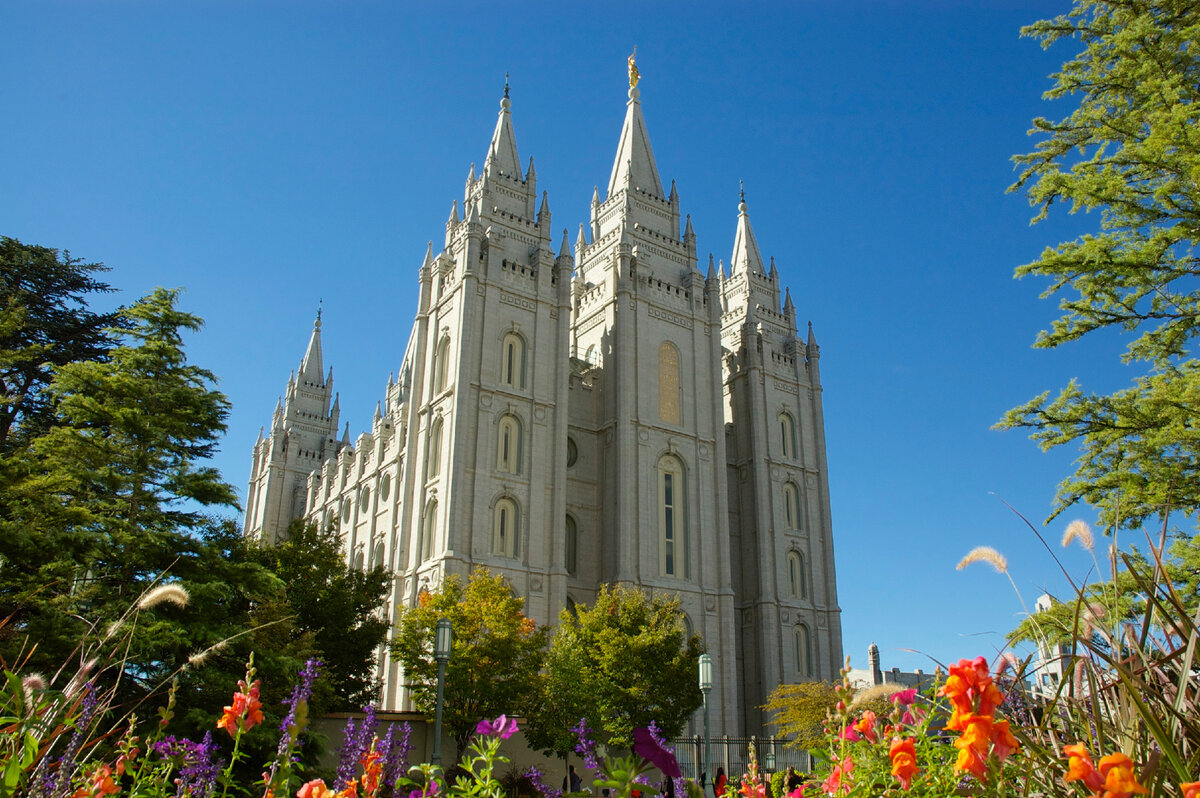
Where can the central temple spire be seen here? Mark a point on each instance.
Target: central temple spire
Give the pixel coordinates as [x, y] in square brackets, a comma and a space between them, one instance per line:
[502, 154]
[634, 164]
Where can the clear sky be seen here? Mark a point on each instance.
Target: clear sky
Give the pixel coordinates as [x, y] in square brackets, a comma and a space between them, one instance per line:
[267, 155]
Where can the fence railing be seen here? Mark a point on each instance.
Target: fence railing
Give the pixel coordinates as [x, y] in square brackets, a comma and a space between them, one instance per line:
[733, 754]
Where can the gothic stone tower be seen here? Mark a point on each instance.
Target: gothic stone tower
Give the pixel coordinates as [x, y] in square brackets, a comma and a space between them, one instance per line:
[569, 422]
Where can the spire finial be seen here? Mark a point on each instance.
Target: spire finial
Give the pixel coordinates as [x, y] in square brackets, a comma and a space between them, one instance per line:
[741, 197]
[634, 75]
[317, 323]
[506, 85]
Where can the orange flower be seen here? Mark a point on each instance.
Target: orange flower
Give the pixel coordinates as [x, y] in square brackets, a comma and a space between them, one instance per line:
[1003, 741]
[315, 789]
[1080, 767]
[1119, 781]
[100, 783]
[973, 744]
[904, 760]
[246, 711]
[372, 770]
[866, 726]
[1191, 789]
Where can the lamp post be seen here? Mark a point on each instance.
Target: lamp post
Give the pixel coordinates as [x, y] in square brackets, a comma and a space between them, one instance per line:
[705, 667]
[442, 637]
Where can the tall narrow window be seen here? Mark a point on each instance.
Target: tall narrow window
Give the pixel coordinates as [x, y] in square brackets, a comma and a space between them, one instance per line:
[572, 547]
[797, 576]
[672, 521]
[433, 457]
[787, 434]
[441, 365]
[512, 360]
[802, 652]
[428, 529]
[668, 383]
[504, 528]
[791, 505]
[509, 445]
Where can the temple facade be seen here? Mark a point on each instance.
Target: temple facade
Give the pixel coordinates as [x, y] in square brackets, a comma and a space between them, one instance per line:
[569, 419]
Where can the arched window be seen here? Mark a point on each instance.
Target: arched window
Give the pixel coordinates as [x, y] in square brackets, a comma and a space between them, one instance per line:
[802, 652]
[433, 457]
[377, 559]
[572, 546]
[791, 505]
[672, 517]
[787, 434]
[441, 365]
[428, 529]
[505, 519]
[512, 361]
[797, 576]
[592, 355]
[668, 383]
[509, 445]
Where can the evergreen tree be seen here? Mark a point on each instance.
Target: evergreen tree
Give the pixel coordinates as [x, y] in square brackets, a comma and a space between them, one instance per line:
[620, 664]
[1130, 150]
[341, 608]
[44, 322]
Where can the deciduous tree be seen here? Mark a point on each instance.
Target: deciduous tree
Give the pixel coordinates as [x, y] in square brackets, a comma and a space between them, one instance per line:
[800, 711]
[1129, 151]
[622, 663]
[496, 655]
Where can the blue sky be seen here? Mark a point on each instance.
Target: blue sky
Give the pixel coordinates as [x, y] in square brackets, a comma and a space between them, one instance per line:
[265, 155]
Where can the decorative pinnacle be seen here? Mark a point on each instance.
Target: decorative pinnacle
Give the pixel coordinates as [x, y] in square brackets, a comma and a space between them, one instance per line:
[317, 323]
[634, 75]
[506, 85]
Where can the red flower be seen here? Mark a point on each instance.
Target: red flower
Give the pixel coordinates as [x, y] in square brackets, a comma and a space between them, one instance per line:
[833, 784]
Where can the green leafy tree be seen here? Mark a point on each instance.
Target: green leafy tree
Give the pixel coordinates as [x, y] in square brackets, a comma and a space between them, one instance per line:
[45, 322]
[339, 606]
[621, 663]
[495, 658]
[800, 711]
[1129, 150]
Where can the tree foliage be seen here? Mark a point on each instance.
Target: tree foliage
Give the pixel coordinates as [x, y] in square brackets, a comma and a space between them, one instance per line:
[495, 656]
[621, 663]
[800, 711]
[45, 322]
[341, 607]
[1130, 150]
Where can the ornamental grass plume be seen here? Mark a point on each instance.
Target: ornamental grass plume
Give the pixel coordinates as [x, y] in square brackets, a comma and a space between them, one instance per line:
[984, 554]
[1079, 530]
[170, 594]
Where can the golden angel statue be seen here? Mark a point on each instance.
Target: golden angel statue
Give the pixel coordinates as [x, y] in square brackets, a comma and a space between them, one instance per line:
[634, 75]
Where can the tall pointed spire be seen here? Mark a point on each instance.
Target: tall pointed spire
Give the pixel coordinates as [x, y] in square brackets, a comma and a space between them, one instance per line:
[502, 155]
[635, 160]
[310, 367]
[746, 257]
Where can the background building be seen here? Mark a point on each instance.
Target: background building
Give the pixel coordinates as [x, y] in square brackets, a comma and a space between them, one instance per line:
[612, 416]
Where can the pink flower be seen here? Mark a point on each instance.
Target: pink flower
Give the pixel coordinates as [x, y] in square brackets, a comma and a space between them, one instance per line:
[849, 733]
[501, 726]
[905, 697]
[833, 785]
[648, 748]
[798, 792]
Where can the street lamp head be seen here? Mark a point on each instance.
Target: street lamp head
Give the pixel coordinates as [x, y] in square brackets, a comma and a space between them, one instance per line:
[442, 637]
[705, 672]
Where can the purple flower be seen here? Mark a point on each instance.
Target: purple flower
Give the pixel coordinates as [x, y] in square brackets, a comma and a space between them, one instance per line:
[67, 763]
[648, 748]
[535, 778]
[586, 747]
[502, 726]
[301, 693]
[354, 744]
[395, 754]
[198, 776]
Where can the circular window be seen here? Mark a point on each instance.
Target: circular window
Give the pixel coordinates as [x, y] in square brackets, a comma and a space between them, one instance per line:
[385, 487]
[364, 499]
[572, 452]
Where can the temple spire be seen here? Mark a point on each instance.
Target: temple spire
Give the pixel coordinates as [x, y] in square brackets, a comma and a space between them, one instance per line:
[634, 163]
[746, 257]
[502, 155]
[310, 367]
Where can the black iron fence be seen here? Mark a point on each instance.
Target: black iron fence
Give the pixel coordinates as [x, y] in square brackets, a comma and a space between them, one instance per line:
[733, 754]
